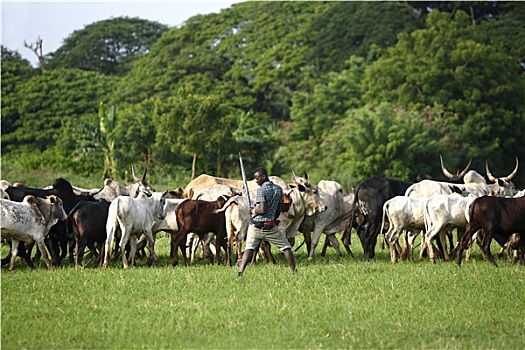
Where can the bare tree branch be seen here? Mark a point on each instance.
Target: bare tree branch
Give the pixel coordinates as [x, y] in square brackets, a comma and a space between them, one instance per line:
[36, 47]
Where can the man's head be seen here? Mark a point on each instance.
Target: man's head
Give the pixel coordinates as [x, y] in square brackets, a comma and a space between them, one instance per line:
[260, 175]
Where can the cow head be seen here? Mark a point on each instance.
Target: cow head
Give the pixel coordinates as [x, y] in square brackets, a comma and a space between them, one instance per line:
[507, 188]
[311, 199]
[303, 181]
[458, 175]
[143, 185]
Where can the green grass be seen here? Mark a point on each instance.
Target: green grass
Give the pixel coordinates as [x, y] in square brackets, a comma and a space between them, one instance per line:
[330, 303]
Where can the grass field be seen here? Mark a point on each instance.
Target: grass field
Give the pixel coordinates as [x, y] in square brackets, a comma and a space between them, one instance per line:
[330, 303]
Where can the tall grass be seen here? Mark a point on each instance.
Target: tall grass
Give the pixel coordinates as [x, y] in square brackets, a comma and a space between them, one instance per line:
[330, 303]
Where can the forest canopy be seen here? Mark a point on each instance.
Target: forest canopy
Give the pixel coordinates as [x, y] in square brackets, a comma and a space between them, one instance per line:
[341, 90]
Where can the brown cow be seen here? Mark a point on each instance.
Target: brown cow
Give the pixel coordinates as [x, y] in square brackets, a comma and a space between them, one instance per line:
[492, 215]
[200, 217]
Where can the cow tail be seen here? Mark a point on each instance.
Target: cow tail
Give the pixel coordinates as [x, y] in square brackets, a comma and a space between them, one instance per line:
[227, 204]
[426, 219]
[385, 213]
[69, 220]
[348, 229]
[111, 233]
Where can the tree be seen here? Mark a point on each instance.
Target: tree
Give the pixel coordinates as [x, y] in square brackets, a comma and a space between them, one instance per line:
[477, 87]
[351, 27]
[317, 108]
[36, 47]
[107, 46]
[196, 126]
[48, 102]
[380, 140]
[15, 70]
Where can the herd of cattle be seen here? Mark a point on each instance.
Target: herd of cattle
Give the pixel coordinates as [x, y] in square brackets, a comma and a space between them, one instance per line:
[212, 212]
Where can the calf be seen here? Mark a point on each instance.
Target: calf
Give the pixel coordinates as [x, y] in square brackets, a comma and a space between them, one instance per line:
[442, 213]
[133, 216]
[87, 223]
[200, 217]
[403, 213]
[30, 221]
[494, 215]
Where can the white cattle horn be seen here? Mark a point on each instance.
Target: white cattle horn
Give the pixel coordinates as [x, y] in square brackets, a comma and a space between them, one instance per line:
[294, 176]
[144, 174]
[465, 170]
[135, 177]
[489, 174]
[445, 171]
[513, 174]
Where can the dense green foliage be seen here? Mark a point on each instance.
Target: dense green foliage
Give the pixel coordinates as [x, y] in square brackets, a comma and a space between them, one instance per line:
[342, 90]
[107, 46]
[329, 304]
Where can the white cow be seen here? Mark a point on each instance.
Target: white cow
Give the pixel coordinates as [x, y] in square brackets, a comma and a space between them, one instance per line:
[403, 213]
[339, 208]
[442, 213]
[29, 221]
[474, 183]
[134, 217]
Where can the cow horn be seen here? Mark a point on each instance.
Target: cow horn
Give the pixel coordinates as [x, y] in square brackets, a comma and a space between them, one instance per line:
[135, 177]
[144, 174]
[513, 174]
[465, 170]
[294, 176]
[489, 174]
[445, 171]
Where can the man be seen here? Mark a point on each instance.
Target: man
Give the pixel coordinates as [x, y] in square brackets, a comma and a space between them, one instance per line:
[263, 225]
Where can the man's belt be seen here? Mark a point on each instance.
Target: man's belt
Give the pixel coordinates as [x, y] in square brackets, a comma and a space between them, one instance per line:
[265, 225]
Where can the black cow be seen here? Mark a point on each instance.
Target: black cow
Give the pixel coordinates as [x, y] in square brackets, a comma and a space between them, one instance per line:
[494, 215]
[58, 233]
[87, 222]
[370, 196]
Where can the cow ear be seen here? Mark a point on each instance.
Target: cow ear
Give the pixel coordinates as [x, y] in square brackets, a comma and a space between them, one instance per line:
[30, 199]
[305, 175]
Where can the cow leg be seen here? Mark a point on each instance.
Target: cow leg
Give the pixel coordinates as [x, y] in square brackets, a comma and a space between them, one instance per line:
[521, 249]
[151, 247]
[14, 253]
[122, 244]
[133, 244]
[42, 247]
[335, 244]
[308, 241]
[347, 241]
[206, 242]
[450, 242]
[179, 241]
[267, 251]
[411, 238]
[78, 254]
[325, 246]
[487, 239]
[454, 251]
[464, 242]
[443, 238]
[393, 252]
[430, 247]
[152, 256]
[315, 241]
